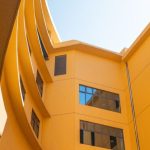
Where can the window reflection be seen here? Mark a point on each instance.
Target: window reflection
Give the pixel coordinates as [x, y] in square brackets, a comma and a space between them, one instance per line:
[82, 88]
[82, 98]
[99, 98]
[101, 136]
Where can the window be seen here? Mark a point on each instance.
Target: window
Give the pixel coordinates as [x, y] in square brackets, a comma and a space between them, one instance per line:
[101, 136]
[113, 141]
[29, 46]
[60, 65]
[99, 98]
[35, 123]
[44, 52]
[23, 91]
[39, 82]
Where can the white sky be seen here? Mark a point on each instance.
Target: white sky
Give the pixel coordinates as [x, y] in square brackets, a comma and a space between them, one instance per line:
[111, 24]
[3, 115]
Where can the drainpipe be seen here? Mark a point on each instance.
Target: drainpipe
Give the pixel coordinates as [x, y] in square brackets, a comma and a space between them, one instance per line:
[132, 107]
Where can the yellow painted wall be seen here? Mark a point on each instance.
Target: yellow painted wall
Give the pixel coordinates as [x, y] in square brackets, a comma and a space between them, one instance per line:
[103, 74]
[59, 110]
[139, 67]
[62, 97]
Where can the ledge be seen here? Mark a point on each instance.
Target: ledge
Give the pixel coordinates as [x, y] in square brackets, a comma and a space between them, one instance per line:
[31, 28]
[11, 90]
[25, 62]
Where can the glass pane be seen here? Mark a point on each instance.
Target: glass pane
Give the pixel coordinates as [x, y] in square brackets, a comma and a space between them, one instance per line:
[60, 65]
[89, 90]
[23, 91]
[82, 98]
[94, 91]
[101, 99]
[87, 137]
[82, 88]
[89, 99]
[102, 136]
[81, 136]
[44, 52]
[113, 142]
[39, 82]
[35, 123]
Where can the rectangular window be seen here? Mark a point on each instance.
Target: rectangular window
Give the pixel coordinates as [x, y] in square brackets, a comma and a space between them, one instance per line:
[101, 136]
[99, 98]
[60, 65]
[35, 123]
[44, 52]
[39, 82]
[23, 91]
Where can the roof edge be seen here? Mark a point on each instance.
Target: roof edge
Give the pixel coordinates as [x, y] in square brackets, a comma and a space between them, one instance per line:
[84, 47]
[133, 48]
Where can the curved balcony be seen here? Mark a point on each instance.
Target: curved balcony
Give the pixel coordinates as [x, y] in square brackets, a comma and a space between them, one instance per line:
[11, 90]
[48, 21]
[32, 33]
[42, 25]
[25, 64]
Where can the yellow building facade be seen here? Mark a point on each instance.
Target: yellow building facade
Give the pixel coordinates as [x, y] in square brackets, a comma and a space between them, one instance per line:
[71, 95]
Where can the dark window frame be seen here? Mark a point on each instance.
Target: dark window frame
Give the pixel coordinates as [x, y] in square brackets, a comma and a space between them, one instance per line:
[35, 123]
[29, 46]
[109, 132]
[60, 65]
[113, 141]
[23, 91]
[44, 51]
[91, 93]
[40, 83]
[81, 136]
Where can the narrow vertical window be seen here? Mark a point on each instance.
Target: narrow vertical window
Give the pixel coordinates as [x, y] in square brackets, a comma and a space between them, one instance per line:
[23, 91]
[39, 82]
[44, 52]
[35, 123]
[60, 65]
[29, 46]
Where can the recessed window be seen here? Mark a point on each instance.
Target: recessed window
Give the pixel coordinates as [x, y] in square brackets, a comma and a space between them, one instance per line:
[60, 65]
[39, 82]
[101, 136]
[35, 123]
[23, 91]
[44, 52]
[29, 47]
[99, 98]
